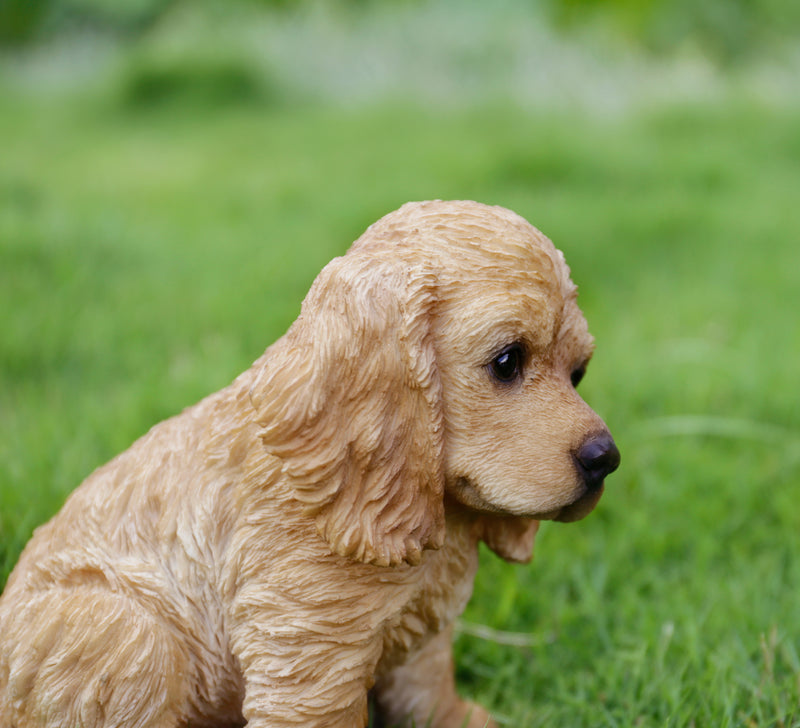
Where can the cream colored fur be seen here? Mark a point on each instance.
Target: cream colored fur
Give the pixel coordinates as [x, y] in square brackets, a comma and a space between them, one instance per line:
[310, 533]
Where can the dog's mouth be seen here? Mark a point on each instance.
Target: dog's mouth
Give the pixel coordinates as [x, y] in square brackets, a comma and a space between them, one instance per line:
[580, 508]
[467, 494]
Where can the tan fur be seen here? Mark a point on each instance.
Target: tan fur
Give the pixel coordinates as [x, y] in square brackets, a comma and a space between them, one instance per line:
[310, 532]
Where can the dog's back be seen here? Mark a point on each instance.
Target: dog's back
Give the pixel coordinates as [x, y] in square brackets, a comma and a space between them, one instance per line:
[133, 558]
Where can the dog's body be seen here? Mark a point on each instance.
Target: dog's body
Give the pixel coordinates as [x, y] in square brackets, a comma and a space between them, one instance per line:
[310, 532]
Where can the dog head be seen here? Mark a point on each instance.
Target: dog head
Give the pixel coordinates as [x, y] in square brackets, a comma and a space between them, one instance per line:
[439, 355]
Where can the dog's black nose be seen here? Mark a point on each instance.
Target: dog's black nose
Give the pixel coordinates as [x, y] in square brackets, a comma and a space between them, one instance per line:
[597, 457]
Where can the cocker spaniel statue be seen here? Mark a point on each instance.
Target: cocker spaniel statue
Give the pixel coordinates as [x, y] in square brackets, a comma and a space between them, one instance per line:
[308, 535]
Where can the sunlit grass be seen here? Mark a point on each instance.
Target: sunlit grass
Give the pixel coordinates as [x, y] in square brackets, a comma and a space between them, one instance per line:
[148, 256]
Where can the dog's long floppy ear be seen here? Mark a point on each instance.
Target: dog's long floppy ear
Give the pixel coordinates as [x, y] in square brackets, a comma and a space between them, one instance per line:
[510, 537]
[349, 399]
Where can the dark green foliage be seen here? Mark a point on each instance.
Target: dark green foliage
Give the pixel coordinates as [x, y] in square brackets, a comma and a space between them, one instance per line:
[20, 20]
[192, 79]
[727, 30]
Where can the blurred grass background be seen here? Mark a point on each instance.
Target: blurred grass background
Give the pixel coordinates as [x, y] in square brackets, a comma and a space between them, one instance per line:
[173, 175]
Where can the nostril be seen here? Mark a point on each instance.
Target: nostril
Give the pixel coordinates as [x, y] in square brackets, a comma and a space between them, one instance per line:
[597, 458]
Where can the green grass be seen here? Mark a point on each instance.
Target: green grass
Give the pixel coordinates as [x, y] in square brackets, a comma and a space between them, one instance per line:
[148, 256]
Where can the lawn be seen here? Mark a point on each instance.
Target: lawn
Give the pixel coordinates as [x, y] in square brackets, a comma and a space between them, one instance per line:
[148, 255]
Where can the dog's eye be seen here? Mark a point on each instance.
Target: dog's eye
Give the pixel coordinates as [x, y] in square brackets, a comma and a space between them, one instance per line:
[577, 375]
[507, 365]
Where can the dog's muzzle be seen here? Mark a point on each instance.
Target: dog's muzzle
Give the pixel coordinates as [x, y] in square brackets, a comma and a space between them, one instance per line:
[595, 459]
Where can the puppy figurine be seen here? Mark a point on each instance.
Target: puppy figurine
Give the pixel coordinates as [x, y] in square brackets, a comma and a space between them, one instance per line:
[310, 533]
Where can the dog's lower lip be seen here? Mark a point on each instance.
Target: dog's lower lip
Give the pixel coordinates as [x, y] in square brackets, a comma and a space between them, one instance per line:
[581, 507]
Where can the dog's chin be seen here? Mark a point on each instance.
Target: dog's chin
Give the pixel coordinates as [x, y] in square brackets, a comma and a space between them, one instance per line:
[465, 492]
[578, 509]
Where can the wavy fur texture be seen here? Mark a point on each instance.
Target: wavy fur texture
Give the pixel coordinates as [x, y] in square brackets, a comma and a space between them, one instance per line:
[310, 533]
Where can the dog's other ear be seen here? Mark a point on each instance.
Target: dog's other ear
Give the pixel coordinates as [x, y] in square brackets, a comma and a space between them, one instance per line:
[349, 399]
[510, 537]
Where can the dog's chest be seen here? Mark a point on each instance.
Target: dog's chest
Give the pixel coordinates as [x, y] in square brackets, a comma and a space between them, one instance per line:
[437, 599]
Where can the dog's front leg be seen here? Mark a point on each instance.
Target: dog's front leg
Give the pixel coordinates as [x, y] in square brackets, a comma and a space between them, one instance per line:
[422, 692]
[305, 678]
